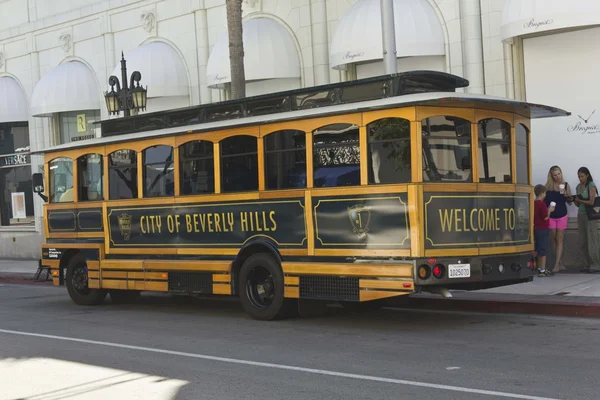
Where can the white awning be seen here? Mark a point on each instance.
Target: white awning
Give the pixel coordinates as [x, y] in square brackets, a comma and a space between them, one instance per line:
[358, 36]
[269, 53]
[71, 86]
[162, 69]
[523, 17]
[13, 104]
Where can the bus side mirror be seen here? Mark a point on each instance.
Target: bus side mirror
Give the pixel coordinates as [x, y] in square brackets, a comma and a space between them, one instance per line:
[38, 185]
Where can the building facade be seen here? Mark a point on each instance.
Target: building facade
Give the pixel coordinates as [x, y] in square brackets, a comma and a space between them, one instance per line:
[56, 59]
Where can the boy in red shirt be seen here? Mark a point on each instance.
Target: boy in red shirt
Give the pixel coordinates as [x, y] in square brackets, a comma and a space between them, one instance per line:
[541, 227]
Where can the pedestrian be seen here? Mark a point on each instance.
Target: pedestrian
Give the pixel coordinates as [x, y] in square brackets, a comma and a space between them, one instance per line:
[541, 228]
[589, 237]
[558, 192]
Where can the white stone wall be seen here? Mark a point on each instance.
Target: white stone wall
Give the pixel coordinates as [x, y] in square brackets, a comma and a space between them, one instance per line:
[101, 29]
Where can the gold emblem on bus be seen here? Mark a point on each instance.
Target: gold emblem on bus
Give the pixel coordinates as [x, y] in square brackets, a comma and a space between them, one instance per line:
[360, 217]
[125, 226]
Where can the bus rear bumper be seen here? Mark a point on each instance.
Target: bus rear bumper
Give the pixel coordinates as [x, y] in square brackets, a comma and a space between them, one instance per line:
[473, 273]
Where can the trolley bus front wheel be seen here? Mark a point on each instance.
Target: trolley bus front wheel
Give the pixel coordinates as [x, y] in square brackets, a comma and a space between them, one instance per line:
[261, 289]
[77, 284]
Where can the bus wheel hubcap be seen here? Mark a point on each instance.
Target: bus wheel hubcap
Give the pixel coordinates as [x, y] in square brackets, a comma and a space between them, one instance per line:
[260, 287]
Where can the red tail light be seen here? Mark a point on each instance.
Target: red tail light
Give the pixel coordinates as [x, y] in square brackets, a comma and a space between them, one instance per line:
[438, 271]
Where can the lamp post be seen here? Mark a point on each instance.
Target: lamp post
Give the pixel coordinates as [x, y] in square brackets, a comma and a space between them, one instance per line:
[126, 98]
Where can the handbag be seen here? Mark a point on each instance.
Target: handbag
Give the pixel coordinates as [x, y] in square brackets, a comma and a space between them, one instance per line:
[593, 212]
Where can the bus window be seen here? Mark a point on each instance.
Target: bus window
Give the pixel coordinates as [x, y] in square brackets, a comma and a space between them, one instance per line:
[285, 160]
[494, 151]
[446, 149]
[239, 164]
[61, 180]
[336, 156]
[521, 134]
[389, 151]
[158, 171]
[197, 167]
[90, 174]
[122, 175]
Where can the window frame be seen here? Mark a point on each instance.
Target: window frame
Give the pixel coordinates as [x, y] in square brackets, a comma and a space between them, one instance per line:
[119, 166]
[526, 146]
[102, 178]
[73, 187]
[145, 170]
[182, 160]
[316, 147]
[267, 152]
[471, 147]
[229, 156]
[408, 139]
[508, 142]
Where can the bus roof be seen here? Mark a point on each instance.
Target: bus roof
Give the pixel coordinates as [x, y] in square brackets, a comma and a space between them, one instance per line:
[387, 91]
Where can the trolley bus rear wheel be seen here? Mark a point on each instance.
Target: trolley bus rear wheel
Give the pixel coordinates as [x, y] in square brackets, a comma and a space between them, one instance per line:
[77, 284]
[261, 289]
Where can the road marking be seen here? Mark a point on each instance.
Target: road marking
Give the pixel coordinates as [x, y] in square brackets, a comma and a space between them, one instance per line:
[281, 366]
[452, 368]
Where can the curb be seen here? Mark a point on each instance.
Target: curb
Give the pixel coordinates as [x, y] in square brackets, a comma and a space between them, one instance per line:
[585, 309]
[22, 279]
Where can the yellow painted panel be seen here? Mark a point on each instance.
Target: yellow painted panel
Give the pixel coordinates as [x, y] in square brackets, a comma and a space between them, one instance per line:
[94, 284]
[55, 281]
[366, 295]
[156, 286]
[221, 288]
[114, 275]
[111, 284]
[93, 274]
[93, 265]
[385, 284]
[291, 292]
[225, 278]
[376, 270]
[121, 264]
[180, 265]
[291, 280]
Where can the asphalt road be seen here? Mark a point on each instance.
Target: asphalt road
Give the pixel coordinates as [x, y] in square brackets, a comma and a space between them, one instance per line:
[165, 348]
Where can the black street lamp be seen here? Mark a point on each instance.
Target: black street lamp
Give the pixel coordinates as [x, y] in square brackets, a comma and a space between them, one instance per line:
[126, 98]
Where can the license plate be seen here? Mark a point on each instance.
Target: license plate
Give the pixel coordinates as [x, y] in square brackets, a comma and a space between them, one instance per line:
[459, 270]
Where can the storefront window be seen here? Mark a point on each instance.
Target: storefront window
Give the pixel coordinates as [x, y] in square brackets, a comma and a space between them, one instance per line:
[16, 194]
[61, 180]
[78, 125]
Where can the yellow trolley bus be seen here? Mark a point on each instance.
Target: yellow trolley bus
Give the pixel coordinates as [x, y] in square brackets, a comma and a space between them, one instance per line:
[351, 192]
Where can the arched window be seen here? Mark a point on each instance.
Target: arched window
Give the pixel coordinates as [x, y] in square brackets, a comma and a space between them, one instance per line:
[61, 180]
[446, 149]
[285, 160]
[336, 156]
[122, 175]
[197, 167]
[521, 137]
[494, 151]
[158, 171]
[90, 177]
[239, 164]
[389, 151]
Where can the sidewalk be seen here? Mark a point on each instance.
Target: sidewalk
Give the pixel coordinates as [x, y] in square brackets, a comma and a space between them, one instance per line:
[566, 294]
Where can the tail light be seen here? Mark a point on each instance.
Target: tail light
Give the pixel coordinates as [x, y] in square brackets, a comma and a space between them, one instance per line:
[424, 271]
[438, 271]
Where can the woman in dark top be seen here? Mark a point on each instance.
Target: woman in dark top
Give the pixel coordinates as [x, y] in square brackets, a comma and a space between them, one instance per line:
[557, 191]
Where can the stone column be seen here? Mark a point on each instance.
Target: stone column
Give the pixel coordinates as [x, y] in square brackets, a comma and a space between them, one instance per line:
[203, 54]
[39, 139]
[472, 44]
[320, 45]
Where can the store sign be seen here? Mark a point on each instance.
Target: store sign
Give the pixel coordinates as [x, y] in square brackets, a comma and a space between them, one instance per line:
[15, 160]
[589, 125]
[535, 24]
